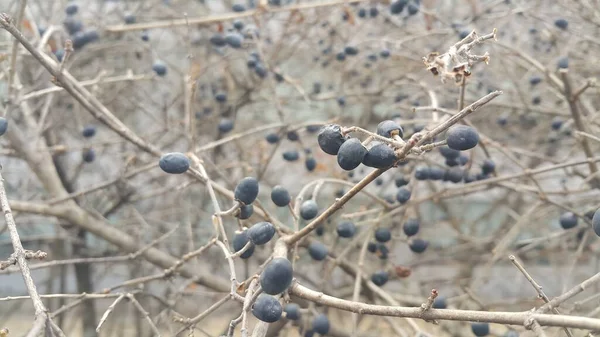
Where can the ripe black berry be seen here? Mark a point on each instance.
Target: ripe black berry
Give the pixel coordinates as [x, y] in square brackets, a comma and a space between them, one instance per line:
[320, 324]
[389, 128]
[422, 173]
[403, 195]
[330, 139]
[267, 308]
[411, 226]
[88, 131]
[246, 190]
[439, 303]
[568, 220]
[239, 241]
[346, 229]
[310, 163]
[277, 276]
[272, 138]
[245, 212]
[261, 233]
[480, 329]
[291, 155]
[317, 250]
[280, 196]
[380, 278]
[418, 245]
[309, 209]
[561, 23]
[462, 137]
[379, 156]
[596, 222]
[174, 163]
[292, 311]
[351, 154]
[383, 235]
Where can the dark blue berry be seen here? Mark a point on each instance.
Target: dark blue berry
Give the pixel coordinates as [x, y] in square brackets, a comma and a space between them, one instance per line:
[418, 245]
[277, 276]
[480, 329]
[422, 173]
[238, 8]
[449, 153]
[89, 155]
[596, 222]
[267, 308]
[291, 155]
[129, 18]
[383, 234]
[411, 226]
[462, 137]
[330, 139]
[261, 233]
[488, 166]
[436, 173]
[246, 190]
[272, 138]
[413, 9]
[568, 220]
[398, 6]
[309, 209]
[293, 135]
[350, 50]
[317, 250]
[439, 303]
[535, 80]
[401, 181]
[380, 156]
[225, 125]
[88, 131]
[380, 278]
[382, 251]
[351, 153]
[71, 9]
[561, 23]
[239, 241]
[556, 124]
[245, 212]
[234, 39]
[454, 175]
[174, 163]
[389, 128]
[563, 63]
[292, 311]
[218, 40]
[403, 195]
[221, 97]
[310, 163]
[346, 229]
[280, 196]
[160, 68]
[320, 324]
